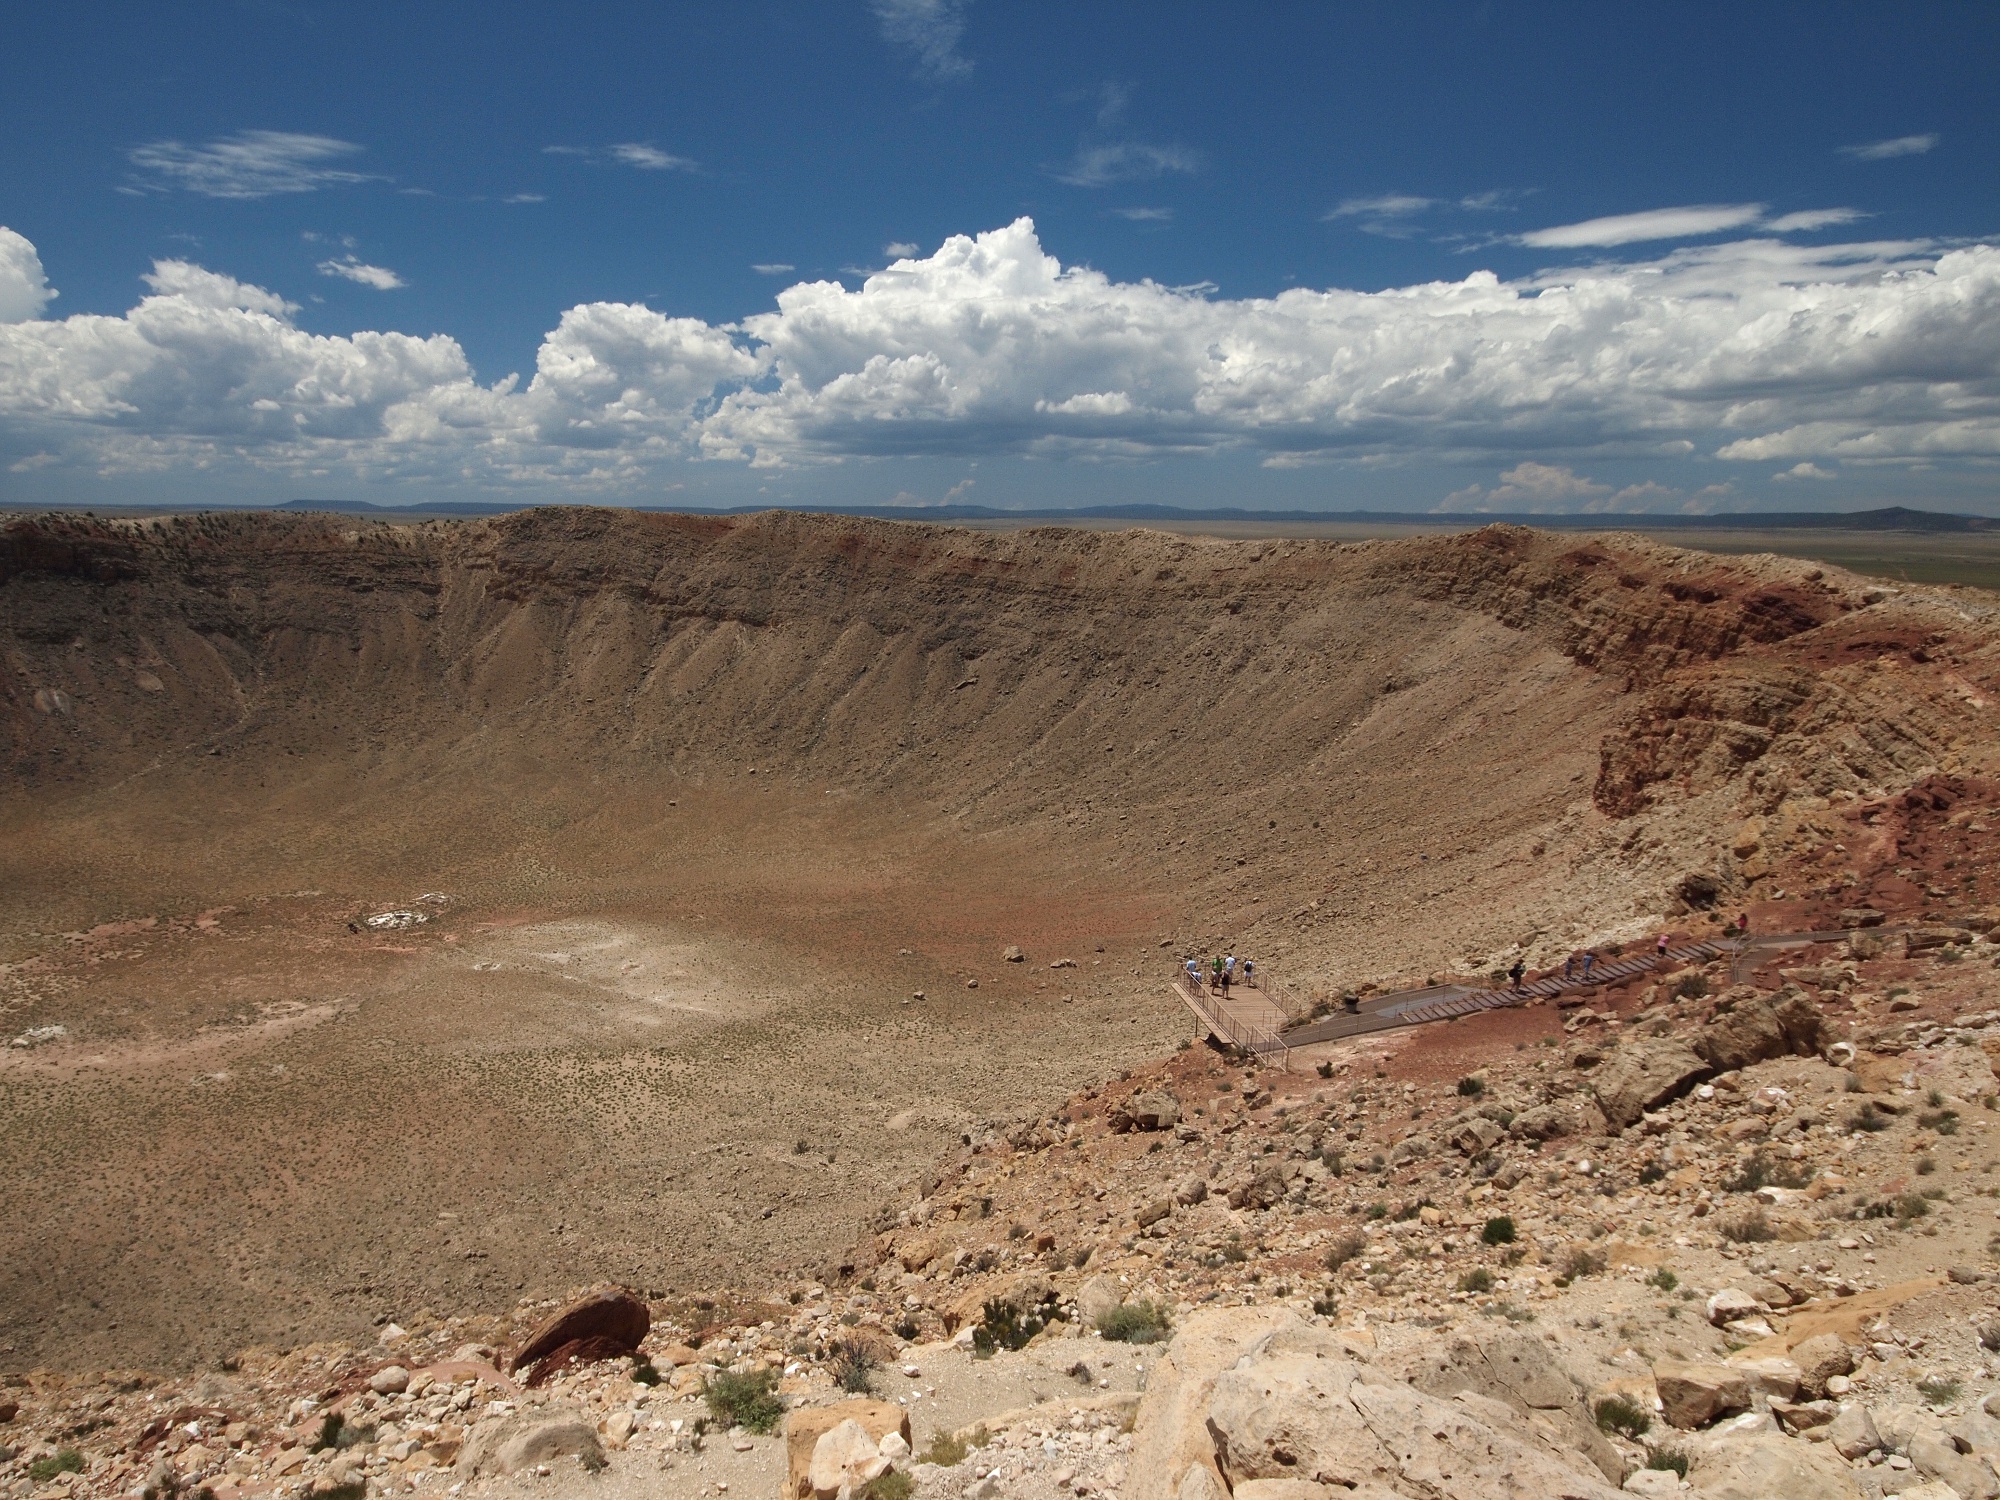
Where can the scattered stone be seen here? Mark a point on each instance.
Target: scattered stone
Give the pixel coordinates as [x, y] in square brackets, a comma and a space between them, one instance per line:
[1012, 954]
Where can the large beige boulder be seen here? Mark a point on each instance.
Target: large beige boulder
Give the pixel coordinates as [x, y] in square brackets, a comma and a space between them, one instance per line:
[509, 1445]
[806, 1425]
[1693, 1395]
[1852, 1432]
[1819, 1359]
[1643, 1074]
[1761, 1465]
[1520, 1370]
[1169, 1437]
[1293, 1411]
[844, 1459]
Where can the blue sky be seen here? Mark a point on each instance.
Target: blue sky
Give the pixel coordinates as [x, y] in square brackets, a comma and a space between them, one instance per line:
[1484, 256]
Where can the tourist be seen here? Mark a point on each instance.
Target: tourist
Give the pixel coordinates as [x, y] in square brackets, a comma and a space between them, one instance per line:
[1589, 958]
[1569, 967]
[1249, 971]
[1662, 949]
[1514, 974]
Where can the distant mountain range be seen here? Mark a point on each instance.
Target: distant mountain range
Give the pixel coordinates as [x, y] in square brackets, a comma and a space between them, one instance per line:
[1888, 518]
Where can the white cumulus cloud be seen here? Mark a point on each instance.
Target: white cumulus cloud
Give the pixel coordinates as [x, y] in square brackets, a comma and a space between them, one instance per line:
[1760, 351]
[1804, 471]
[249, 164]
[1902, 145]
[348, 268]
[24, 287]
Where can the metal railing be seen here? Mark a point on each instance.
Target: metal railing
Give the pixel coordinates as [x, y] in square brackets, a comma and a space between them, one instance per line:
[1245, 1036]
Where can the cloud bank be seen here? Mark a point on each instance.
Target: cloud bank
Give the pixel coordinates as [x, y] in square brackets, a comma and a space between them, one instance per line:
[1757, 351]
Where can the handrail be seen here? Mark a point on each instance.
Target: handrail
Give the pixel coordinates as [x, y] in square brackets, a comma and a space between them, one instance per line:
[1244, 1035]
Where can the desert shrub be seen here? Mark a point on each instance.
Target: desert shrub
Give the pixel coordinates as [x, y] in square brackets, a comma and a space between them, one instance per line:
[1478, 1279]
[749, 1400]
[1626, 1418]
[643, 1372]
[1761, 1171]
[1911, 1206]
[1498, 1231]
[893, 1485]
[1004, 1326]
[1471, 1086]
[1868, 1118]
[1943, 1121]
[1692, 986]
[852, 1366]
[946, 1448]
[1940, 1390]
[1670, 1459]
[1581, 1262]
[64, 1461]
[1326, 1304]
[1651, 1173]
[1750, 1228]
[1345, 1248]
[1377, 1210]
[1135, 1323]
[1925, 1166]
[1664, 1279]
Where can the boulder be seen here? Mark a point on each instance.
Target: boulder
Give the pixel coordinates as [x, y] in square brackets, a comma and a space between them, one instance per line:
[805, 1426]
[1297, 1409]
[1191, 1191]
[1805, 1028]
[1936, 1456]
[1170, 1441]
[1262, 1190]
[1283, 1489]
[1819, 1359]
[1654, 1484]
[612, 1314]
[1012, 954]
[843, 1459]
[1731, 1303]
[1476, 1136]
[1693, 1395]
[1575, 1116]
[1772, 1375]
[1156, 1109]
[1644, 1074]
[1763, 1465]
[1024, 1291]
[512, 1444]
[1153, 1212]
[1745, 1030]
[1852, 1432]
[915, 1254]
[390, 1380]
[1520, 1371]
[1095, 1298]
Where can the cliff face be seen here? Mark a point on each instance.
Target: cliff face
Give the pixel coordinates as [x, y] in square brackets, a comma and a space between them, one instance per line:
[1415, 695]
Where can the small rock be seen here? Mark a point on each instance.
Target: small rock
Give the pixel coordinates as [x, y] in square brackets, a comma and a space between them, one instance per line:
[1730, 1304]
[1012, 954]
[1964, 1275]
[1656, 1484]
[390, 1380]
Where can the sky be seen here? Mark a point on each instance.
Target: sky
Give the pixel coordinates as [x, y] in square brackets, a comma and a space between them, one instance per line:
[1433, 256]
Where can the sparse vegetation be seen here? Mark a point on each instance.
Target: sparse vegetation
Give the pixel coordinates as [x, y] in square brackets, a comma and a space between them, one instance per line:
[1664, 1279]
[852, 1365]
[893, 1485]
[1002, 1325]
[1471, 1086]
[1139, 1322]
[63, 1461]
[946, 1449]
[1940, 1390]
[1670, 1458]
[1581, 1261]
[1761, 1171]
[1345, 1248]
[1752, 1227]
[1943, 1121]
[1498, 1231]
[1626, 1418]
[1868, 1119]
[748, 1400]
[1479, 1279]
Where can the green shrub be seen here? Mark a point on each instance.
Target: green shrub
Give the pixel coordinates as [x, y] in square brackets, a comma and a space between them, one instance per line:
[1477, 1280]
[852, 1366]
[1673, 1460]
[1664, 1279]
[1868, 1118]
[1498, 1231]
[1471, 1086]
[1345, 1248]
[643, 1372]
[1582, 1262]
[1135, 1323]
[1940, 1390]
[1761, 1171]
[65, 1461]
[749, 1400]
[1626, 1418]
[1751, 1228]
[1943, 1121]
[946, 1449]
[1005, 1326]
[894, 1485]
[1692, 986]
